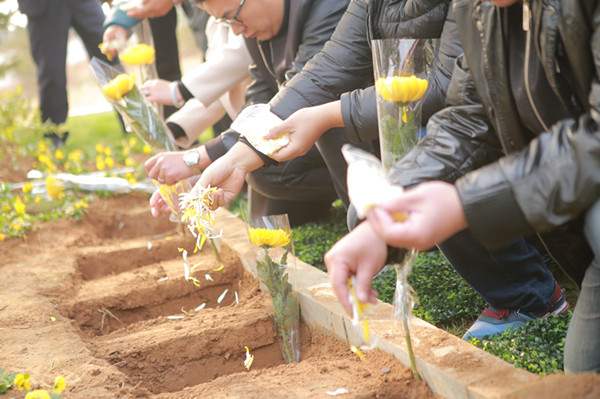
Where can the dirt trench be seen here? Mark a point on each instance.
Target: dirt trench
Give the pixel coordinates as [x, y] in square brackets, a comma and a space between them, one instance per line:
[104, 302]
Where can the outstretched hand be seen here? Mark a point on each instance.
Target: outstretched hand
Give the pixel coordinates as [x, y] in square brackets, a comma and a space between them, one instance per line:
[305, 127]
[433, 212]
[360, 253]
[158, 91]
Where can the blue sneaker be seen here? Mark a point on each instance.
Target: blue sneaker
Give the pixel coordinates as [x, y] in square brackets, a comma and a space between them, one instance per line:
[495, 321]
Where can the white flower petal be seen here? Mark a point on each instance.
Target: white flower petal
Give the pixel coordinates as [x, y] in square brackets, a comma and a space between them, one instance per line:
[222, 296]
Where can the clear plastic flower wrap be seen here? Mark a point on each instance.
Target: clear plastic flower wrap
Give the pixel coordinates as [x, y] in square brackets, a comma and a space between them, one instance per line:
[401, 67]
[368, 186]
[273, 236]
[138, 114]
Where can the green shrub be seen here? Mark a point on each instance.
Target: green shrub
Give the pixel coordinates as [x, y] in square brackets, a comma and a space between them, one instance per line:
[537, 347]
[313, 240]
[442, 296]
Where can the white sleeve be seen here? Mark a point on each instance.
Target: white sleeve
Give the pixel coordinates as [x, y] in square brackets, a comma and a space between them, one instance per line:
[226, 66]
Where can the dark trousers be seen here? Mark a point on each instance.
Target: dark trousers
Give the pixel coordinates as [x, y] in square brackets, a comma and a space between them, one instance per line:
[164, 36]
[302, 188]
[582, 347]
[514, 277]
[48, 36]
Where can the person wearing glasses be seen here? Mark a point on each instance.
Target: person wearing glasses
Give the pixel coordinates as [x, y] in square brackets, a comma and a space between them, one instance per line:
[281, 37]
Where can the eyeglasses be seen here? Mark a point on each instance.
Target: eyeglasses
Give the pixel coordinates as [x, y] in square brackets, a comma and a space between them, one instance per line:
[235, 17]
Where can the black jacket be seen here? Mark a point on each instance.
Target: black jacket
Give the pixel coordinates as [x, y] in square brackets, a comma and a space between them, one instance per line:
[344, 68]
[309, 25]
[510, 183]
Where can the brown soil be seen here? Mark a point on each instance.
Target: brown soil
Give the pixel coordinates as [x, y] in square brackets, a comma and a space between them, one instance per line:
[91, 300]
[13, 170]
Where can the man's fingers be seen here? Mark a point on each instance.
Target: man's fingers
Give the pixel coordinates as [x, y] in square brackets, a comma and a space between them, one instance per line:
[338, 276]
[286, 153]
[277, 131]
[149, 164]
[404, 234]
[363, 283]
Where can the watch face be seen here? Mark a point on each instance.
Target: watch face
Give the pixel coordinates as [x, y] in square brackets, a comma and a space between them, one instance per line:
[191, 158]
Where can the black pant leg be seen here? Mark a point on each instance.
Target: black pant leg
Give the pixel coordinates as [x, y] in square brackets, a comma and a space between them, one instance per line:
[48, 35]
[167, 51]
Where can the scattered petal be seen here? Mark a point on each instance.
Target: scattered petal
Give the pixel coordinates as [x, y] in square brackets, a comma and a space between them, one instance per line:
[59, 384]
[237, 298]
[200, 307]
[220, 268]
[249, 358]
[337, 392]
[162, 279]
[149, 245]
[360, 354]
[222, 296]
[208, 277]
[176, 317]
[52, 318]
[195, 281]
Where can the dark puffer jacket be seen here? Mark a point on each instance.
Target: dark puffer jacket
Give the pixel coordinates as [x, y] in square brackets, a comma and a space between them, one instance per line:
[343, 69]
[510, 184]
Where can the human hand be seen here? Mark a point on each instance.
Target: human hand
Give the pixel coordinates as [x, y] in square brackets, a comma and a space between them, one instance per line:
[305, 127]
[151, 8]
[158, 206]
[114, 37]
[433, 214]
[159, 91]
[169, 168]
[228, 173]
[360, 253]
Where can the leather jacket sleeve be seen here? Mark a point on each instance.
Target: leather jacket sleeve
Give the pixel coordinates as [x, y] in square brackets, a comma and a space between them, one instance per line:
[359, 108]
[459, 138]
[548, 183]
[342, 65]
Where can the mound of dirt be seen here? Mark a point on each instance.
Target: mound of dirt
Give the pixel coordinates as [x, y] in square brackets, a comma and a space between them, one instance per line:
[104, 302]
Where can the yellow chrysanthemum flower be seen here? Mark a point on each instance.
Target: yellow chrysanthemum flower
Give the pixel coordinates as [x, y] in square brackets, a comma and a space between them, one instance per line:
[100, 164]
[147, 149]
[19, 206]
[118, 87]
[54, 188]
[99, 148]
[110, 163]
[27, 187]
[22, 382]
[38, 394]
[132, 141]
[59, 154]
[402, 89]
[140, 54]
[129, 162]
[59, 384]
[269, 237]
[2, 237]
[75, 156]
[81, 204]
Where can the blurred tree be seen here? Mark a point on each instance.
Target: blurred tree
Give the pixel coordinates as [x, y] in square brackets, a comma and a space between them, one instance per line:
[7, 61]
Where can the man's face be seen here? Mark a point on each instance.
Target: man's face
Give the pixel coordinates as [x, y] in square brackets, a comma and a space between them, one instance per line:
[258, 19]
[504, 3]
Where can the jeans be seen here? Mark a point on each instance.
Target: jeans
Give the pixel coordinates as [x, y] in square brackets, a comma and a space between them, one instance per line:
[514, 277]
[582, 347]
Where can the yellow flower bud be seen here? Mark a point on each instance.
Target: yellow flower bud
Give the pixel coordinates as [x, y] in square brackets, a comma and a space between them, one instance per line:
[138, 55]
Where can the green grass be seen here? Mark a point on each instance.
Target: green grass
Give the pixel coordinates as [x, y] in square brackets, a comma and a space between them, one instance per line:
[88, 130]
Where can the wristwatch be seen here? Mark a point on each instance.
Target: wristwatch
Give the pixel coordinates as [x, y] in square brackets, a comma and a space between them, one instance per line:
[191, 158]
